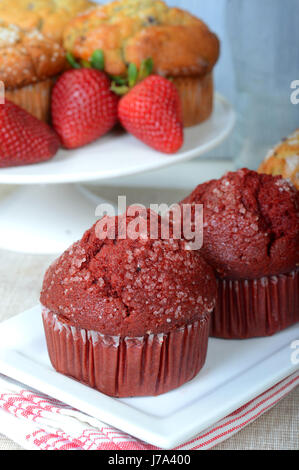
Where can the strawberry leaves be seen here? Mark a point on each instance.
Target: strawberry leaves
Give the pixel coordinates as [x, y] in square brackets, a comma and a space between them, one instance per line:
[97, 60]
[119, 84]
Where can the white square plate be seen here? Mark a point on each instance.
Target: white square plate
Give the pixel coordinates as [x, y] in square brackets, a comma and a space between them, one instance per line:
[235, 372]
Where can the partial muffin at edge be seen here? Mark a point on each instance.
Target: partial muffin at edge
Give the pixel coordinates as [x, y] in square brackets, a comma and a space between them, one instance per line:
[49, 17]
[29, 63]
[283, 159]
[251, 238]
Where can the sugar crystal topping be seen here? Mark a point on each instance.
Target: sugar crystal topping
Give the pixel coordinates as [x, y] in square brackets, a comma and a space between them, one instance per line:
[9, 35]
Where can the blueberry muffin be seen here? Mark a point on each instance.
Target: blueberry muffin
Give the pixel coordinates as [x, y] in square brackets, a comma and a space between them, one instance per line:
[130, 31]
[283, 159]
[47, 16]
[29, 62]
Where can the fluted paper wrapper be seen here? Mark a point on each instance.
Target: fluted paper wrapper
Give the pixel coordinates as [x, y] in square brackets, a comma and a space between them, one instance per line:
[125, 367]
[35, 98]
[196, 95]
[257, 307]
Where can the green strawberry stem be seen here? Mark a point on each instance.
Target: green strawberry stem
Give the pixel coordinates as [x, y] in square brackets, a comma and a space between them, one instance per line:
[146, 68]
[132, 75]
[72, 61]
[119, 80]
[97, 60]
[85, 64]
[119, 89]
[121, 85]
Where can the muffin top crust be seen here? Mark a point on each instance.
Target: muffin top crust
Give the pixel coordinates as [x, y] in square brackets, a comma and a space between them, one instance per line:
[129, 287]
[283, 159]
[251, 224]
[130, 31]
[27, 56]
[47, 16]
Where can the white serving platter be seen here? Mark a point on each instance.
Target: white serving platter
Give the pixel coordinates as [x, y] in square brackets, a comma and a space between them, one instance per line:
[120, 154]
[235, 372]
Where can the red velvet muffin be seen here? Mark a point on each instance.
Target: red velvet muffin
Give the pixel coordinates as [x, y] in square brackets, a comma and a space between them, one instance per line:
[251, 239]
[129, 317]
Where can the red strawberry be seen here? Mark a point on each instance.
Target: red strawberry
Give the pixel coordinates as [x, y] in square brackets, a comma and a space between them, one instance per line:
[151, 111]
[83, 106]
[23, 138]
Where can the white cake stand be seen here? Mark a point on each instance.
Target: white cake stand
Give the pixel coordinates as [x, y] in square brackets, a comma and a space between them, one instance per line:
[50, 210]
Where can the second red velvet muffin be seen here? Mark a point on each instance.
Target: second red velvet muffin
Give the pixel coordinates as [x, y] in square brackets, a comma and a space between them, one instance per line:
[251, 238]
[127, 316]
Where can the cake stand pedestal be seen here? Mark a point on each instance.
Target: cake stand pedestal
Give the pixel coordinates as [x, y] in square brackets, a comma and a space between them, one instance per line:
[45, 218]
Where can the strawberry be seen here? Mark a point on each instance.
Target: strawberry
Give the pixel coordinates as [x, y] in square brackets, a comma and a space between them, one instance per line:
[23, 138]
[83, 106]
[151, 111]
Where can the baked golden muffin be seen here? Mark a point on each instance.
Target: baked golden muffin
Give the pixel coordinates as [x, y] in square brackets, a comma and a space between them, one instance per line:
[29, 63]
[47, 16]
[180, 45]
[284, 159]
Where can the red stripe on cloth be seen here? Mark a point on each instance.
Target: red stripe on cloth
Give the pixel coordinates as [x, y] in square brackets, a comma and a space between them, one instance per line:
[239, 427]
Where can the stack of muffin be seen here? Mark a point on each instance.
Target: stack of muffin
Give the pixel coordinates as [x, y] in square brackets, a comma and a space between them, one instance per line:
[35, 34]
[131, 316]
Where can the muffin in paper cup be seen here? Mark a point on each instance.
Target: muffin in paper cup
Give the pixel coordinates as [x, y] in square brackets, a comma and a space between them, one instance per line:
[121, 366]
[256, 307]
[251, 239]
[29, 63]
[128, 316]
[181, 46]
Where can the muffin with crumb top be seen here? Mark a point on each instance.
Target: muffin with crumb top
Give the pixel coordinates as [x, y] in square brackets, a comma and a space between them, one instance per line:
[49, 17]
[128, 315]
[31, 53]
[29, 63]
[181, 46]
